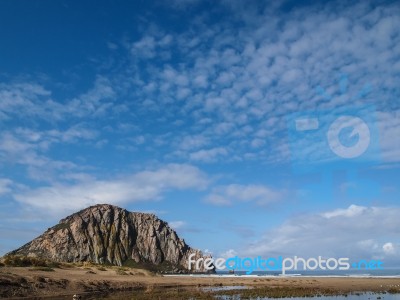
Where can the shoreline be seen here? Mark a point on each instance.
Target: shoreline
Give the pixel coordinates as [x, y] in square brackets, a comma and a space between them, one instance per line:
[281, 276]
[19, 282]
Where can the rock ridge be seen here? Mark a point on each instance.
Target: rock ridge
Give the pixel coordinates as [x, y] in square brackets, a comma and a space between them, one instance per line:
[107, 234]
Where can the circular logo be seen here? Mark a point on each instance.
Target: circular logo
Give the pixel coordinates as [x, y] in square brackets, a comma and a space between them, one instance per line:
[359, 130]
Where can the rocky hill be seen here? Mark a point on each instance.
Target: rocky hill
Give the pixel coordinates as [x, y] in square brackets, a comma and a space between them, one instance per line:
[107, 234]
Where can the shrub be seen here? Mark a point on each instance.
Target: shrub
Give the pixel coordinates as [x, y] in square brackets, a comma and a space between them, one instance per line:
[27, 261]
[120, 272]
[88, 264]
[61, 226]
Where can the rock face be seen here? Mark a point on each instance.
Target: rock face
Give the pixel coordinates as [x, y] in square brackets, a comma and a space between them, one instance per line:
[107, 234]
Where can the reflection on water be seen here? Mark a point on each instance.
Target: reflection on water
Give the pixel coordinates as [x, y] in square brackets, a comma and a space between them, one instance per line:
[225, 288]
[195, 295]
[370, 296]
[217, 293]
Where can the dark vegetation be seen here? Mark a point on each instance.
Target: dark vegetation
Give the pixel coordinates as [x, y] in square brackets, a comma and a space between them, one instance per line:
[26, 261]
[163, 268]
[60, 226]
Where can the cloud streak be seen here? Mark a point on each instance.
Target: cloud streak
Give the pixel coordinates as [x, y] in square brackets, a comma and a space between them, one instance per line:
[229, 194]
[147, 185]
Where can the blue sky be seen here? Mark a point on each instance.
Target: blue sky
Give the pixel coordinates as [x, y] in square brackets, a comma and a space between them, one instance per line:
[221, 117]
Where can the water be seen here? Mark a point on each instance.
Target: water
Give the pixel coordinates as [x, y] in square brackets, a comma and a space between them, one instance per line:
[370, 296]
[182, 294]
[321, 273]
[226, 288]
[361, 296]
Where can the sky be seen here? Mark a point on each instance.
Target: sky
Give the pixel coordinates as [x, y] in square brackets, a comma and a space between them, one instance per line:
[252, 127]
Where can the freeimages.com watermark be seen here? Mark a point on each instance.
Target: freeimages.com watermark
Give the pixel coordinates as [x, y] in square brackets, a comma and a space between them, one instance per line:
[249, 265]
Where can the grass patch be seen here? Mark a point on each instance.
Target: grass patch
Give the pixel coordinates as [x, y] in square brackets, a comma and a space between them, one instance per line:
[121, 271]
[53, 264]
[27, 261]
[393, 290]
[65, 265]
[164, 267]
[101, 269]
[61, 226]
[88, 264]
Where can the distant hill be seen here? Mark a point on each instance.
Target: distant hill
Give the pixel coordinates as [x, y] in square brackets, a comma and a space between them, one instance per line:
[107, 234]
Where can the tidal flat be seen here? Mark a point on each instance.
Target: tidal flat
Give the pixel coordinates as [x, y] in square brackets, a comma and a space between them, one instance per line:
[94, 282]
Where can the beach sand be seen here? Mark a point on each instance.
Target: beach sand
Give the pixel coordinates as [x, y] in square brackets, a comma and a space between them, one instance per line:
[28, 282]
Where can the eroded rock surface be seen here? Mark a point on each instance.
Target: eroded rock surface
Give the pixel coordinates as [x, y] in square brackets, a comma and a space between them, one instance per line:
[108, 234]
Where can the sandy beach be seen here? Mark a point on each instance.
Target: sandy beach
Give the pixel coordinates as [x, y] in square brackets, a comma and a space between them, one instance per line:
[18, 282]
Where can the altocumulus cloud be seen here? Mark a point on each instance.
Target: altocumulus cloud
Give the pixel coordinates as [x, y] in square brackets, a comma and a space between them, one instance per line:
[229, 194]
[142, 186]
[21, 100]
[231, 81]
[216, 92]
[242, 77]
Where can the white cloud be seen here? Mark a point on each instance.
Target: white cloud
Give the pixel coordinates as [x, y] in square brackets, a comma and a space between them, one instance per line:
[253, 74]
[30, 148]
[217, 199]
[5, 186]
[27, 100]
[356, 232]
[181, 4]
[145, 48]
[208, 155]
[389, 127]
[389, 248]
[257, 143]
[176, 224]
[22, 100]
[351, 211]
[228, 194]
[192, 142]
[217, 92]
[143, 186]
[228, 253]
[246, 75]
[207, 252]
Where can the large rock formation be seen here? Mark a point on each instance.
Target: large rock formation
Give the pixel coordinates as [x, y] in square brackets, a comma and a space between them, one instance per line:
[107, 234]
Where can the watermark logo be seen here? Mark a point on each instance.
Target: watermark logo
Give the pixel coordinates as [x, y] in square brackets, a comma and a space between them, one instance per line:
[343, 138]
[249, 265]
[359, 130]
